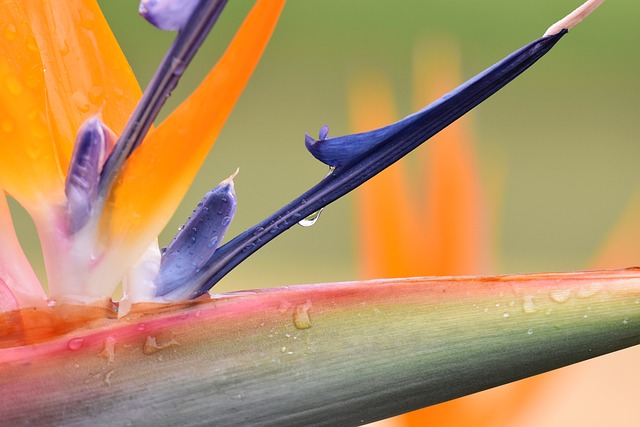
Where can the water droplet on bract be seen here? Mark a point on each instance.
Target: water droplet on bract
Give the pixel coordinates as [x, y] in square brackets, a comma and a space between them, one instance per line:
[311, 219]
[560, 295]
[589, 290]
[96, 95]
[142, 327]
[212, 242]
[178, 66]
[109, 350]
[527, 304]
[107, 377]
[75, 343]
[13, 85]
[32, 45]
[10, 32]
[64, 47]
[301, 318]
[81, 101]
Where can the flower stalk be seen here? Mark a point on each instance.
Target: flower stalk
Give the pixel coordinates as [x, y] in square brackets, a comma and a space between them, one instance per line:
[332, 354]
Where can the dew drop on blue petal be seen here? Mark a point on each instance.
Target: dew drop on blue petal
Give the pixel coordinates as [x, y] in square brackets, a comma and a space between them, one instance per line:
[195, 242]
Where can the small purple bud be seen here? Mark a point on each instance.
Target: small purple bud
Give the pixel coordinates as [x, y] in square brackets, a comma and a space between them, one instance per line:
[196, 242]
[341, 150]
[93, 143]
[168, 15]
[324, 131]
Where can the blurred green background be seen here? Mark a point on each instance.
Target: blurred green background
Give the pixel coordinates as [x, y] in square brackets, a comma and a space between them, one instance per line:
[565, 133]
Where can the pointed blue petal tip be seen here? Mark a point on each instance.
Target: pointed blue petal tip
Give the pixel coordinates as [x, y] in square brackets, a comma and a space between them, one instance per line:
[81, 185]
[168, 15]
[196, 242]
[339, 151]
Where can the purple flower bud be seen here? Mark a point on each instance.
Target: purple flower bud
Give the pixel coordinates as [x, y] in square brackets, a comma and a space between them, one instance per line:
[168, 15]
[93, 144]
[193, 246]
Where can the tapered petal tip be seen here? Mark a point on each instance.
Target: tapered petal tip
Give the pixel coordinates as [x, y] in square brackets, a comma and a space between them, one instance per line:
[168, 15]
[189, 252]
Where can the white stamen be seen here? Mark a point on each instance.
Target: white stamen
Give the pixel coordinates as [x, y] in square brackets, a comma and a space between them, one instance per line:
[574, 17]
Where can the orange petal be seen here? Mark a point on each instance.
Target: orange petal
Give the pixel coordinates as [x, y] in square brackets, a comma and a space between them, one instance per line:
[386, 218]
[28, 163]
[454, 222]
[158, 174]
[440, 230]
[455, 227]
[87, 72]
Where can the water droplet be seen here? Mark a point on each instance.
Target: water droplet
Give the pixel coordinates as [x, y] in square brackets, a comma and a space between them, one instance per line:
[212, 242]
[589, 290]
[301, 319]
[530, 331]
[96, 95]
[178, 66]
[109, 350]
[10, 32]
[528, 305]
[151, 345]
[226, 220]
[560, 295]
[33, 78]
[107, 377]
[32, 45]
[311, 219]
[142, 327]
[81, 101]
[75, 343]
[64, 47]
[13, 85]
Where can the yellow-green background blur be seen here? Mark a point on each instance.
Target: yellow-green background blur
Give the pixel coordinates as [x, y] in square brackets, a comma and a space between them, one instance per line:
[558, 147]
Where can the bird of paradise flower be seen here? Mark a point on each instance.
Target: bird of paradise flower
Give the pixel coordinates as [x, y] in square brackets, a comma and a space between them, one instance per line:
[287, 345]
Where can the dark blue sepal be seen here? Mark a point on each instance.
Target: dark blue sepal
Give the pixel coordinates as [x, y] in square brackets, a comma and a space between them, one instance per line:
[416, 128]
[195, 243]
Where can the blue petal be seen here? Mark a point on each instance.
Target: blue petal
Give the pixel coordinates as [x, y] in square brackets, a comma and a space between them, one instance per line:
[196, 242]
[83, 177]
[168, 15]
[401, 137]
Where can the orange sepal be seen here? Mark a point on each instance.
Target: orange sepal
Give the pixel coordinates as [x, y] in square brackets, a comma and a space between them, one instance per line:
[87, 73]
[28, 163]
